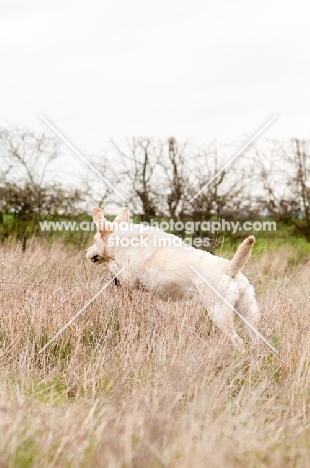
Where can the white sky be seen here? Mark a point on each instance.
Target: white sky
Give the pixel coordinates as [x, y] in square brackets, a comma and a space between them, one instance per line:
[195, 69]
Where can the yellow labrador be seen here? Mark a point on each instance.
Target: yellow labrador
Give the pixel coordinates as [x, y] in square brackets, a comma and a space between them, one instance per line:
[158, 262]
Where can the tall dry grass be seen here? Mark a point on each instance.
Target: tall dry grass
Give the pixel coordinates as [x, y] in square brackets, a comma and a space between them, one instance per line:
[134, 382]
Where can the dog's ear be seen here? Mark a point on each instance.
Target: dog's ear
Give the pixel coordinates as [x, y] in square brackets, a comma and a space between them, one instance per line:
[123, 217]
[97, 214]
[104, 226]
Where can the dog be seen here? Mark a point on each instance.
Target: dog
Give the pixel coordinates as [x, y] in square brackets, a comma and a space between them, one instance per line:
[156, 261]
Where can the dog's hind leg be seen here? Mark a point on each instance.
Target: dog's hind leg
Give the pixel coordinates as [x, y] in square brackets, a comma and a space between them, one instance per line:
[219, 312]
[223, 318]
[248, 308]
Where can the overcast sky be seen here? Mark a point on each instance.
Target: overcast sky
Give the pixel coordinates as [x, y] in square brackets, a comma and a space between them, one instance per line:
[194, 69]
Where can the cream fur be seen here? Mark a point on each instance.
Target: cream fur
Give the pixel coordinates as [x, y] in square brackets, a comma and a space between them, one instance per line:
[166, 271]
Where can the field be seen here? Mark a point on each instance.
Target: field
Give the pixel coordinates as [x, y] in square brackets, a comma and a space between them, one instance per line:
[134, 382]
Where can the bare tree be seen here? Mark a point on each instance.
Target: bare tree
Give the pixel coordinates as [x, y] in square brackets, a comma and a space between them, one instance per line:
[96, 191]
[25, 191]
[162, 177]
[174, 170]
[222, 198]
[300, 179]
[27, 156]
[138, 172]
[296, 158]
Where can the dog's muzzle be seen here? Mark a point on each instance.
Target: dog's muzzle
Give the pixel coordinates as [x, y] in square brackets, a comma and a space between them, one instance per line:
[95, 259]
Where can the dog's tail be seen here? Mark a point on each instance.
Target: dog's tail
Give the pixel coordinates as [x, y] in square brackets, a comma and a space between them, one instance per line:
[241, 256]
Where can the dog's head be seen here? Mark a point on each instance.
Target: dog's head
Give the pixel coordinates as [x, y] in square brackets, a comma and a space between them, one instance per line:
[98, 253]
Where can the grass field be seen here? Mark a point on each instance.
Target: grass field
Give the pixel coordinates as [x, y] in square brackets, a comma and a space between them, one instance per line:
[135, 382]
